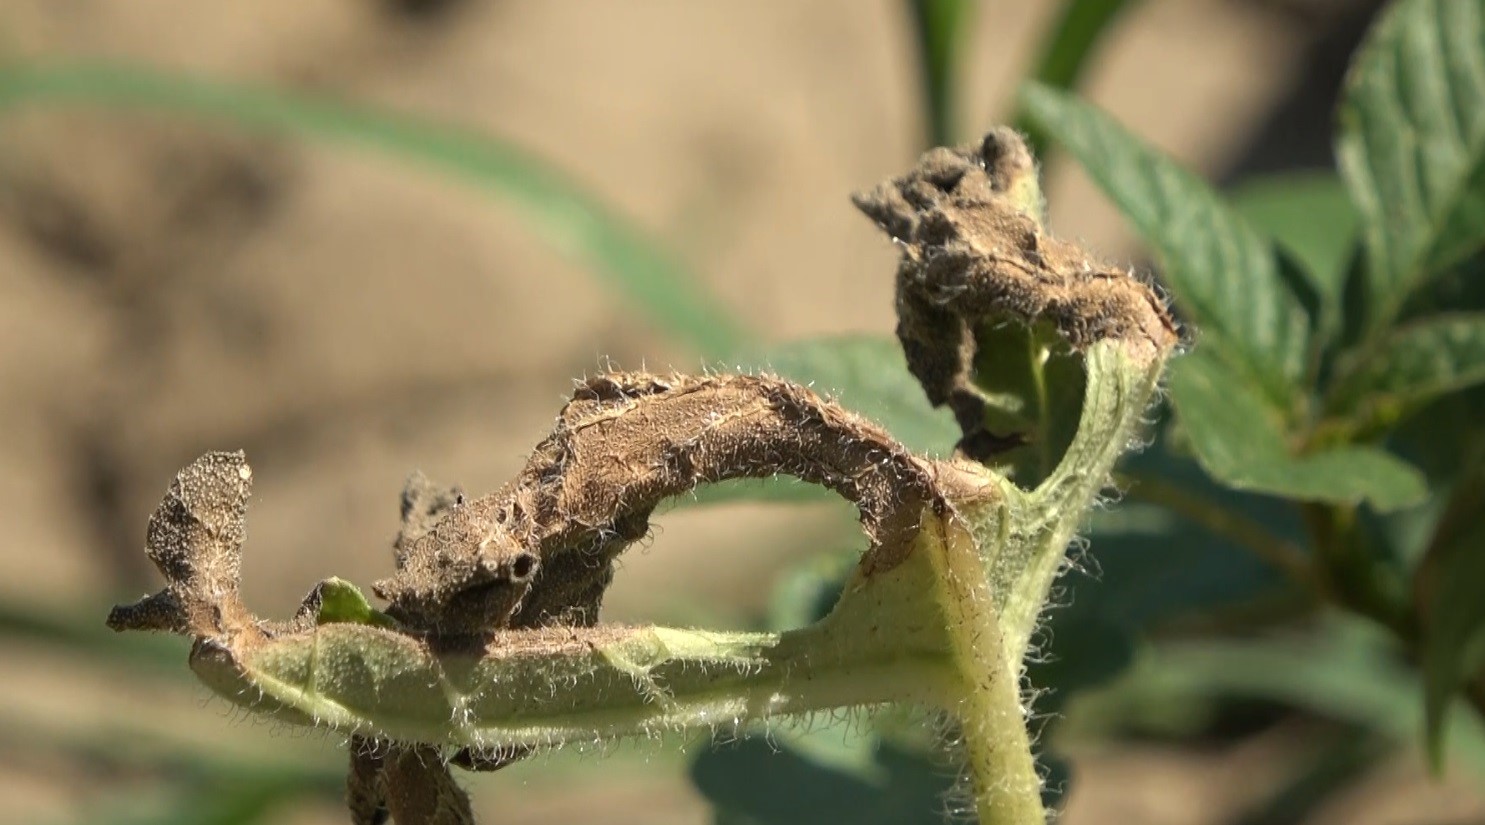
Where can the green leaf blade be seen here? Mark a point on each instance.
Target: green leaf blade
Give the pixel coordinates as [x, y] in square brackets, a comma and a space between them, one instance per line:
[1454, 639]
[1415, 364]
[1344, 674]
[1223, 274]
[1311, 215]
[1238, 441]
[1412, 146]
[1065, 53]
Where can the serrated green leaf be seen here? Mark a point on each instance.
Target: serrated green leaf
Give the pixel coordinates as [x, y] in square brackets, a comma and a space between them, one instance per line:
[1454, 640]
[1413, 365]
[1310, 214]
[1222, 273]
[558, 209]
[1412, 146]
[1238, 440]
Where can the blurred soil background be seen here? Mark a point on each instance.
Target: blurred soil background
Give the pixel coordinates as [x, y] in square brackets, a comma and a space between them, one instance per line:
[169, 287]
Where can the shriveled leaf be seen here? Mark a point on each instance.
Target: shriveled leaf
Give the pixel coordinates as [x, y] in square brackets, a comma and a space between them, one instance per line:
[868, 375]
[1412, 146]
[1413, 365]
[1223, 274]
[1238, 440]
[556, 208]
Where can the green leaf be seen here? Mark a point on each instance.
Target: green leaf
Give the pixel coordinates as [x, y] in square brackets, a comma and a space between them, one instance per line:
[1238, 440]
[1412, 146]
[892, 787]
[1032, 384]
[1340, 675]
[1223, 274]
[1454, 641]
[939, 27]
[1064, 55]
[1309, 214]
[1413, 365]
[563, 212]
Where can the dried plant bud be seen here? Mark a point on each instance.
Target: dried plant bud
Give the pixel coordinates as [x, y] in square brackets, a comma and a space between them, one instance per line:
[974, 251]
[195, 539]
[540, 550]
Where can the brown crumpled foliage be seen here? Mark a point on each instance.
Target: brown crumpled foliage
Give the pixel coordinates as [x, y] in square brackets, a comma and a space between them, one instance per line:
[974, 250]
[539, 552]
[195, 539]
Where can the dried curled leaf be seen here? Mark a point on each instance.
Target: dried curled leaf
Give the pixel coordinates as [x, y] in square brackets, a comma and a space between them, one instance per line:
[974, 252]
[539, 551]
[494, 599]
[490, 645]
[195, 539]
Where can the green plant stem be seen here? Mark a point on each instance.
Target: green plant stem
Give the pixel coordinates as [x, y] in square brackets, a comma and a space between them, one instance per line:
[1287, 557]
[1023, 566]
[1354, 580]
[1007, 787]
[997, 745]
[646, 681]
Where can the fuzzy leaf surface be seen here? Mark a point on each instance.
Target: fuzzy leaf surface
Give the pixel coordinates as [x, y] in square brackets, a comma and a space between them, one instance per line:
[1412, 146]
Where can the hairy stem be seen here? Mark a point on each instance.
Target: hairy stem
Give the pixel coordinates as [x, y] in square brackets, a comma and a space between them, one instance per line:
[887, 640]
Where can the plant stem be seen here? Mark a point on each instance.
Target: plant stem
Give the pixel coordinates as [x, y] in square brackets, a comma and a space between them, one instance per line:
[997, 745]
[1353, 579]
[1286, 556]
